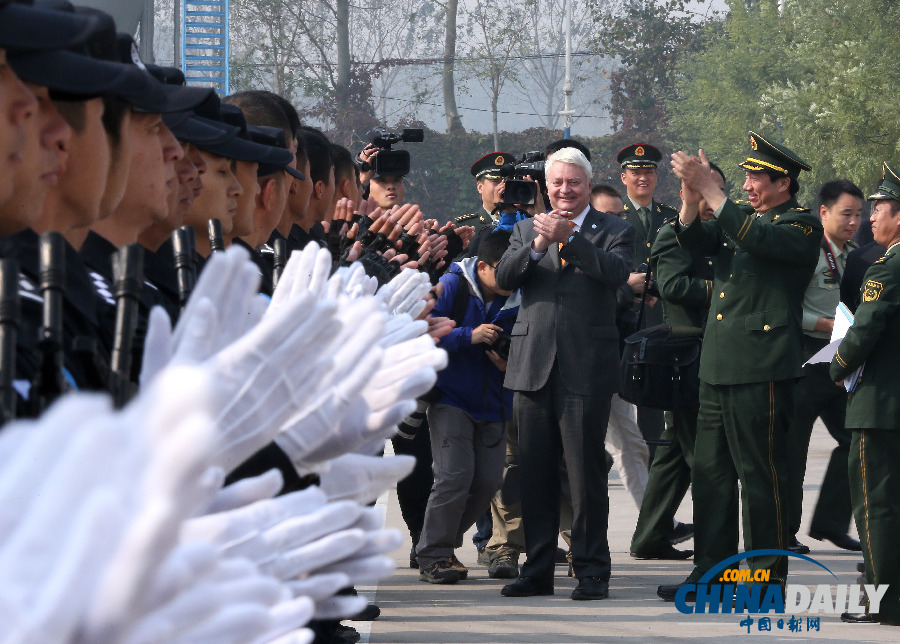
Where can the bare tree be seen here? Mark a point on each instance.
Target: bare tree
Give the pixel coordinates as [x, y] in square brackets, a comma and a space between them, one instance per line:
[495, 38]
[454, 122]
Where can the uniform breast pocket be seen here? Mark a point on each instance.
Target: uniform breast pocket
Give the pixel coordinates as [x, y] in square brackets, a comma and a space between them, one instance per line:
[824, 280]
[766, 321]
[519, 328]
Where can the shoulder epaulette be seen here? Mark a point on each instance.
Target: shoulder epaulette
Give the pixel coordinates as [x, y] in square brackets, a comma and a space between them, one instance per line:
[852, 245]
[664, 206]
[745, 206]
[798, 210]
[467, 217]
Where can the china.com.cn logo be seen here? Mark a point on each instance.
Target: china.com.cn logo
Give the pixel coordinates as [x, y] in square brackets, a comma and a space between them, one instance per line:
[748, 591]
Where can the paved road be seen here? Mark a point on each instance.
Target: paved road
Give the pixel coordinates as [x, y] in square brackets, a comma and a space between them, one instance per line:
[473, 611]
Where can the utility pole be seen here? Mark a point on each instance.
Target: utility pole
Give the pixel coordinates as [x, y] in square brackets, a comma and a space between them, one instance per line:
[176, 37]
[147, 19]
[566, 112]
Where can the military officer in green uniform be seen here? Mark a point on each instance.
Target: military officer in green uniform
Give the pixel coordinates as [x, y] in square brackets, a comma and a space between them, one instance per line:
[639, 174]
[685, 283]
[873, 408]
[752, 352]
[840, 209]
[489, 183]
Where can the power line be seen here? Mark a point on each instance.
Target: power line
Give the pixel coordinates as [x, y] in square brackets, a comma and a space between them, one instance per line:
[392, 62]
[481, 109]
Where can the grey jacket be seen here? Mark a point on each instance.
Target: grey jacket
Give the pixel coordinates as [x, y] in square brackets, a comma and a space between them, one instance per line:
[568, 313]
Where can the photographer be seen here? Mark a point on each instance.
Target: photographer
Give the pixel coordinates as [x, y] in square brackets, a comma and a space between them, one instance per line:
[468, 418]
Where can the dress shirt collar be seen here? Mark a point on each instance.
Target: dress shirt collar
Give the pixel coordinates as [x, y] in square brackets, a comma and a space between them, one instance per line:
[580, 219]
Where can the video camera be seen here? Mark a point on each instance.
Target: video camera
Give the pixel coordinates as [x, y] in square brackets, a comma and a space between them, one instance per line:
[394, 163]
[517, 190]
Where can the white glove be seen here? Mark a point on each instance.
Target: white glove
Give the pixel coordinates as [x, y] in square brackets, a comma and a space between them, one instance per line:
[245, 492]
[363, 478]
[306, 272]
[231, 603]
[318, 587]
[235, 524]
[164, 493]
[367, 570]
[50, 554]
[358, 284]
[408, 371]
[230, 284]
[355, 356]
[405, 294]
[400, 328]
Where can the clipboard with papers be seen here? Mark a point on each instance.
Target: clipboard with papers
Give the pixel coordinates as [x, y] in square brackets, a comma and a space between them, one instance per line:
[843, 320]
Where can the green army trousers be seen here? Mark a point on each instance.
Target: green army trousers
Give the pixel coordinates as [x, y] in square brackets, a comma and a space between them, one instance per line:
[742, 436]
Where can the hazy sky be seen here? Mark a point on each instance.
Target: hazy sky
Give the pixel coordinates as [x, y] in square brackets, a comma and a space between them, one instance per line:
[592, 120]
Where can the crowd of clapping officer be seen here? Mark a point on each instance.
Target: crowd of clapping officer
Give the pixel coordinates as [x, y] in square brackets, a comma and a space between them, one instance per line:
[119, 184]
[124, 198]
[761, 281]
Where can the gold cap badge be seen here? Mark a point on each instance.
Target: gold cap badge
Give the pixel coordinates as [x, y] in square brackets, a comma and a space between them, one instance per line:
[753, 143]
[639, 151]
[499, 161]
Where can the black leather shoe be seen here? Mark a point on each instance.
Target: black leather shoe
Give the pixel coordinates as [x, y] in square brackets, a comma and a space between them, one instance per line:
[668, 552]
[859, 618]
[667, 592]
[841, 540]
[590, 588]
[799, 548]
[525, 587]
[861, 567]
[562, 556]
[681, 533]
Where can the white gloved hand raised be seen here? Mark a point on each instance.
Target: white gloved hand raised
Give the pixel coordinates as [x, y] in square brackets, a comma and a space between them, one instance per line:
[408, 371]
[405, 294]
[362, 478]
[230, 282]
[355, 357]
[245, 492]
[231, 602]
[169, 488]
[306, 272]
[263, 376]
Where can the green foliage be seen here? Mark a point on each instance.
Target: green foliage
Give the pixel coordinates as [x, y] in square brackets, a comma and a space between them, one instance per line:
[648, 38]
[819, 79]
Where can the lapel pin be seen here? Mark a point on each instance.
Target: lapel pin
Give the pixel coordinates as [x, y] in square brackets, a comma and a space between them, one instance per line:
[593, 226]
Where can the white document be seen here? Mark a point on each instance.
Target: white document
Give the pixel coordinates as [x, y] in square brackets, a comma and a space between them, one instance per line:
[843, 320]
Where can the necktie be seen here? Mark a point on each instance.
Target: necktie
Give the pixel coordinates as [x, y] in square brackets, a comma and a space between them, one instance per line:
[644, 218]
[561, 260]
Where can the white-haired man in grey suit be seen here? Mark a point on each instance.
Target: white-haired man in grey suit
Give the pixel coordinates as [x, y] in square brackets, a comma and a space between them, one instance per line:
[563, 367]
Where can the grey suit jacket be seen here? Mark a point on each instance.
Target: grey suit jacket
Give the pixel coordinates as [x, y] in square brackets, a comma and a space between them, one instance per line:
[568, 313]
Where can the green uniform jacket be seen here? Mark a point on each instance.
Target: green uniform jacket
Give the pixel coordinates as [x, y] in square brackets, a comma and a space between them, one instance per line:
[644, 237]
[762, 268]
[874, 339]
[685, 281]
[643, 242]
[479, 219]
